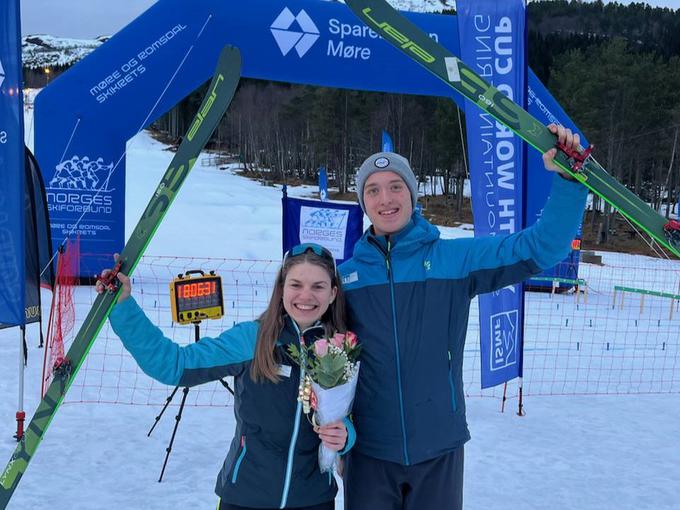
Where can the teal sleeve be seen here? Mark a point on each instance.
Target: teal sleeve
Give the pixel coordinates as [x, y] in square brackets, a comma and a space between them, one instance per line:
[494, 262]
[351, 435]
[172, 364]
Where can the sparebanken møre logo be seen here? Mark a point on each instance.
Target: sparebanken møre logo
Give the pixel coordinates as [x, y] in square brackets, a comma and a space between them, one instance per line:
[2, 73]
[288, 38]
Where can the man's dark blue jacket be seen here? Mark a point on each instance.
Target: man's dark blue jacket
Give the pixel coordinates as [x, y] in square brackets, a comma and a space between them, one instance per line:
[409, 297]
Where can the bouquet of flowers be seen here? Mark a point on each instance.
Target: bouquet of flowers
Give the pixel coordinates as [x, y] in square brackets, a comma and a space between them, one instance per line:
[331, 369]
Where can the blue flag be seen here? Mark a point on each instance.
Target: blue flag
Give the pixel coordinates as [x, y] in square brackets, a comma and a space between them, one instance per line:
[492, 41]
[387, 145]
[333, 225]
[323, 184]
[12, 266]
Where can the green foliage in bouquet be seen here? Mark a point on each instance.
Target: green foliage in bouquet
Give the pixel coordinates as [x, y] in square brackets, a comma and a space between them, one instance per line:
[329, 362]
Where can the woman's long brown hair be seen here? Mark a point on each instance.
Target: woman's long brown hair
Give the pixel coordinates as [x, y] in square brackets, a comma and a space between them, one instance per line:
[264, 365]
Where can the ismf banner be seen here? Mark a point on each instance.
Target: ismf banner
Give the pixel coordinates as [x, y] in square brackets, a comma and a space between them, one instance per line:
[12, 266]
[492, 40]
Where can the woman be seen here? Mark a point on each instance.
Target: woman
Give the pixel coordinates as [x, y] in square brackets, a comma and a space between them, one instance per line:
[272, 461]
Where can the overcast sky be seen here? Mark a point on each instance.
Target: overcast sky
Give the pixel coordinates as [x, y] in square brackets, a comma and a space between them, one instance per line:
[91, 18]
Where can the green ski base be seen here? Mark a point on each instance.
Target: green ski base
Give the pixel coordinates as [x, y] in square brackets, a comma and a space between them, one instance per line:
[215, 103]
[412, 41]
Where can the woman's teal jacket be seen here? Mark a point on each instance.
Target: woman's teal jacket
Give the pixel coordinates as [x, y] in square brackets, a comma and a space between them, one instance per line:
[273, 457]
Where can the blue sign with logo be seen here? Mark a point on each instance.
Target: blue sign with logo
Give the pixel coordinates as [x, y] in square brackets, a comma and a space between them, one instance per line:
[493, 42]
[12, 265]
[333, 225]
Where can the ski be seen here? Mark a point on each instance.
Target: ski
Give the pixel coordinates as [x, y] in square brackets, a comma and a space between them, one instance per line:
[416, 44]
[215, 103]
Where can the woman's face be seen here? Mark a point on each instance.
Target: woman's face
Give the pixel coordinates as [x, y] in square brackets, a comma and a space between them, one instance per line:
[307, 293]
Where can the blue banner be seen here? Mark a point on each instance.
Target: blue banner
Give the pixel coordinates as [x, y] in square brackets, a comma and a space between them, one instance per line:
[543, 106]
[323, 184]
[12, 179]
[387, 145]
[334, 225]
[493, 42]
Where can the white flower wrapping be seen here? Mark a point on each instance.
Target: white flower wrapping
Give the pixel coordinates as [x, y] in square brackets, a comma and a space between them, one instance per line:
[333, 405]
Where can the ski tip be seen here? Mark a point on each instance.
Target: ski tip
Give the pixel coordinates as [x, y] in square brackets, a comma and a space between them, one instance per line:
[232, 53]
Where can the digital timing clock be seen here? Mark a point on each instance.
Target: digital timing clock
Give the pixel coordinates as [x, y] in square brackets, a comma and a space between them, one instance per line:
[196, 298]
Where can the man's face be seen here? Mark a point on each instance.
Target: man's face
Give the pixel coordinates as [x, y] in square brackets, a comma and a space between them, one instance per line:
[388, 202]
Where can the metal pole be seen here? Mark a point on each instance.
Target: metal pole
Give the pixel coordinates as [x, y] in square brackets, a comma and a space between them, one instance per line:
[21, 414]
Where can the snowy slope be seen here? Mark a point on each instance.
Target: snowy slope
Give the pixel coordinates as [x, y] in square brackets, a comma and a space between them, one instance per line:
[39, 51]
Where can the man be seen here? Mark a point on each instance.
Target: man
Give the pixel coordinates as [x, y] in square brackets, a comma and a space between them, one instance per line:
[408, 294]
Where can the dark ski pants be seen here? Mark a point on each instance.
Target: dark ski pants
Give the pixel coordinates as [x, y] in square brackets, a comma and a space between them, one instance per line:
[373, 484]
[322, 506]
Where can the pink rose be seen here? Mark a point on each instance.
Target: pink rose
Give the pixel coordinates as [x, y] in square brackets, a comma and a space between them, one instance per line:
[338, 340]
[313, 401]
[351, 339]
[321, 347]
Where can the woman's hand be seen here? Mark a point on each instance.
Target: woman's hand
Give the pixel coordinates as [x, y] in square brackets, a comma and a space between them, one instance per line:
[333, 435]
[571, 141]
[125, 285]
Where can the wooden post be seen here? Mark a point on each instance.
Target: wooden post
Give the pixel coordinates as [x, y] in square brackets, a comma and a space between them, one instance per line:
[670, 315]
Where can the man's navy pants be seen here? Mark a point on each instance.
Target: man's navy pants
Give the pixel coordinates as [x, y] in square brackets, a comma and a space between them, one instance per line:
[373, 484]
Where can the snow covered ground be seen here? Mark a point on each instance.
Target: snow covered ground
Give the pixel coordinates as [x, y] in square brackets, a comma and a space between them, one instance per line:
[586, 452]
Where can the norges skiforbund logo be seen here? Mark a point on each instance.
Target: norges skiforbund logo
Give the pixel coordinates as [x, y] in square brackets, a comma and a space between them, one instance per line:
[81, 185]
[287, 37]
[82, 174]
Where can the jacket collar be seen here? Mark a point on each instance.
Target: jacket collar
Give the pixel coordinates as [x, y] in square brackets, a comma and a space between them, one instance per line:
[417, 233]
[291, 331]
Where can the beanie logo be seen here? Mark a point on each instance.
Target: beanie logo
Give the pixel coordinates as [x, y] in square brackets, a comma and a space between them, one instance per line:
[382, 162]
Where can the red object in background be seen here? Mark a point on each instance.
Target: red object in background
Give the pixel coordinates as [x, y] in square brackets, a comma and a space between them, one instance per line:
[21, 417]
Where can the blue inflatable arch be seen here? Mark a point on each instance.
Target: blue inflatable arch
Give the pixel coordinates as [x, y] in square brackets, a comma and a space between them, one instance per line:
[84, 118]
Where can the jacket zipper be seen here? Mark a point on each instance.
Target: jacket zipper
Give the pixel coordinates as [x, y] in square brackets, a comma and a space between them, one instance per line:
[239, 460]
[388, 262]
[296, 431]
[453, 386]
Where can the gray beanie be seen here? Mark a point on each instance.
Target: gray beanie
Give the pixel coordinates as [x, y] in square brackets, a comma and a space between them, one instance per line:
[386, 162]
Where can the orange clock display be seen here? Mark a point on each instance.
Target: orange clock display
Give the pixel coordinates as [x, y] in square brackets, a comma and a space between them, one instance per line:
[195, 298]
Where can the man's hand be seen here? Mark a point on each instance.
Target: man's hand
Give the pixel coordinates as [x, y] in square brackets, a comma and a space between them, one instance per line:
[333, 435]
[126, 286]
[569, 140]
